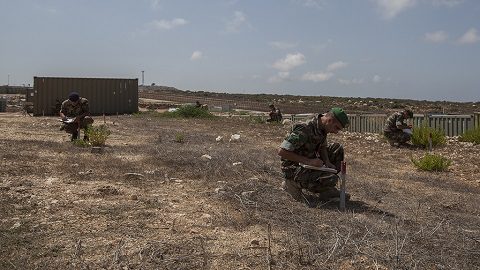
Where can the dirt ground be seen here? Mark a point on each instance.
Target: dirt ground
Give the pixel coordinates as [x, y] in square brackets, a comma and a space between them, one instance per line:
[151, 201]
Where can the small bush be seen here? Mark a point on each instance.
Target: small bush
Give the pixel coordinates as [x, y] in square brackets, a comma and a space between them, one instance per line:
[80, 143]
[98, 135]
[256, 119]
[421, 134]
[472, 136]
[179, 137]
[432, 162]
[189, 111]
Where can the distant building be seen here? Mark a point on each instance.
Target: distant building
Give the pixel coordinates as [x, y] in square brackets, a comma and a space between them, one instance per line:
[105, 95]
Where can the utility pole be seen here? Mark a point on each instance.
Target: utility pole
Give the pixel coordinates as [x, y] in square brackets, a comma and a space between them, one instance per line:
[8, 81]
[143, 78]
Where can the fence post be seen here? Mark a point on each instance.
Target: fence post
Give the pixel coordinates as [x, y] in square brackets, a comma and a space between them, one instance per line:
[476, 120]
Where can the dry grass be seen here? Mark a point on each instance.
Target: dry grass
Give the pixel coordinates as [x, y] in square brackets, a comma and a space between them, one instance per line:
[149, 202]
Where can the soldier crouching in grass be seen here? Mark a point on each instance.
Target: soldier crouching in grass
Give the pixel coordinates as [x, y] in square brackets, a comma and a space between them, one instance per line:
[397, 132]
[307, 145]
[75, 108]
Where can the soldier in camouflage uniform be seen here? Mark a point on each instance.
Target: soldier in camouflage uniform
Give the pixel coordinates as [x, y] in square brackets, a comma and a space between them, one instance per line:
[76, 107]
[275, 114]
[307, 144]
[394, 128]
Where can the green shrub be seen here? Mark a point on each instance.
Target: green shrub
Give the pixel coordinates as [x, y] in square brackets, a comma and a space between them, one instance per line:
[256, 119]
[80, 143]
[98, 135]
[472, 135]
[189, 111]
[179, 137]
[421, 134]
[432, 162]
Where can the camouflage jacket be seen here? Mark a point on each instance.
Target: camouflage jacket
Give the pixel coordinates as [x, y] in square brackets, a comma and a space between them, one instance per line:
[71, 110]
[305, 139]
[276, 115]
[395, 122]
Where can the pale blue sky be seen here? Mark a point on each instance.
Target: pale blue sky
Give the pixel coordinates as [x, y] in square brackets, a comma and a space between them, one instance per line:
[416, 49]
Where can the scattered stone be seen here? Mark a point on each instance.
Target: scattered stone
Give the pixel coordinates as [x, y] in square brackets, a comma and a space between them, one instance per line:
[219, 139]
[206, 216]
[134, 175]
[237, 163]
[255, 242]
[219, 190]
[247, 193]
[86, 172]
[16, 225]
[234, 138]
[206, 157]
[134, 197]
[287, 122]
[50, 180]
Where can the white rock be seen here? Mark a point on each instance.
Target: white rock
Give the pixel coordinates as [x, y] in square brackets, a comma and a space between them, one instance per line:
[237, 163]
[247, 193]
[16, 225]
[206, 216]
[287, 122]
[50, 180]
[206, 157]
[219, 190]
[234, 138]
[219, 139]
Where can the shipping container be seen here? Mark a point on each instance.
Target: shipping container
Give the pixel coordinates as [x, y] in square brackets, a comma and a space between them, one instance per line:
[105, 95]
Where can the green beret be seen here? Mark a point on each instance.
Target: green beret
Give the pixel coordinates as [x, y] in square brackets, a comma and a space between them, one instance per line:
[341, 116]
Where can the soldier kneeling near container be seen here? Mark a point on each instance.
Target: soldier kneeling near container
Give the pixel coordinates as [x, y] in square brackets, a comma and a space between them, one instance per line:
[306, 147]
[75, 115]
[397, 132]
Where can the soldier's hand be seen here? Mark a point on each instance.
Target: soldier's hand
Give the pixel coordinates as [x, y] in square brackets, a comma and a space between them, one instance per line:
[315, 162]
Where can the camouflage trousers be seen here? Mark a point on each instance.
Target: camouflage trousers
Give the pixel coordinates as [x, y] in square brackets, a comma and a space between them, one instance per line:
[397, 136]
[72, 128]
[318, 181]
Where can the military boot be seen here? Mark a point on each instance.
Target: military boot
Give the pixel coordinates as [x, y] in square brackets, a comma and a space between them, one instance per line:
[74, 136]
[292, 188]
[331, 193]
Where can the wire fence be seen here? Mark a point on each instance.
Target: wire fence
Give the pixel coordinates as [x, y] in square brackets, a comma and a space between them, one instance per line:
[451, 125]
[230, 104]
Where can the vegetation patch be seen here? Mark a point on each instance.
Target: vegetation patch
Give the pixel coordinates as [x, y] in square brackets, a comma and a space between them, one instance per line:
[98, 135]
[189, 111]
[472, 136]
[432, 162]
[179, 137]
[80, 143]
[420, 136]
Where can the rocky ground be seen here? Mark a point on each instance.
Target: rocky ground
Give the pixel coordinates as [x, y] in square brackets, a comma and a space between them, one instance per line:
[155, 200]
